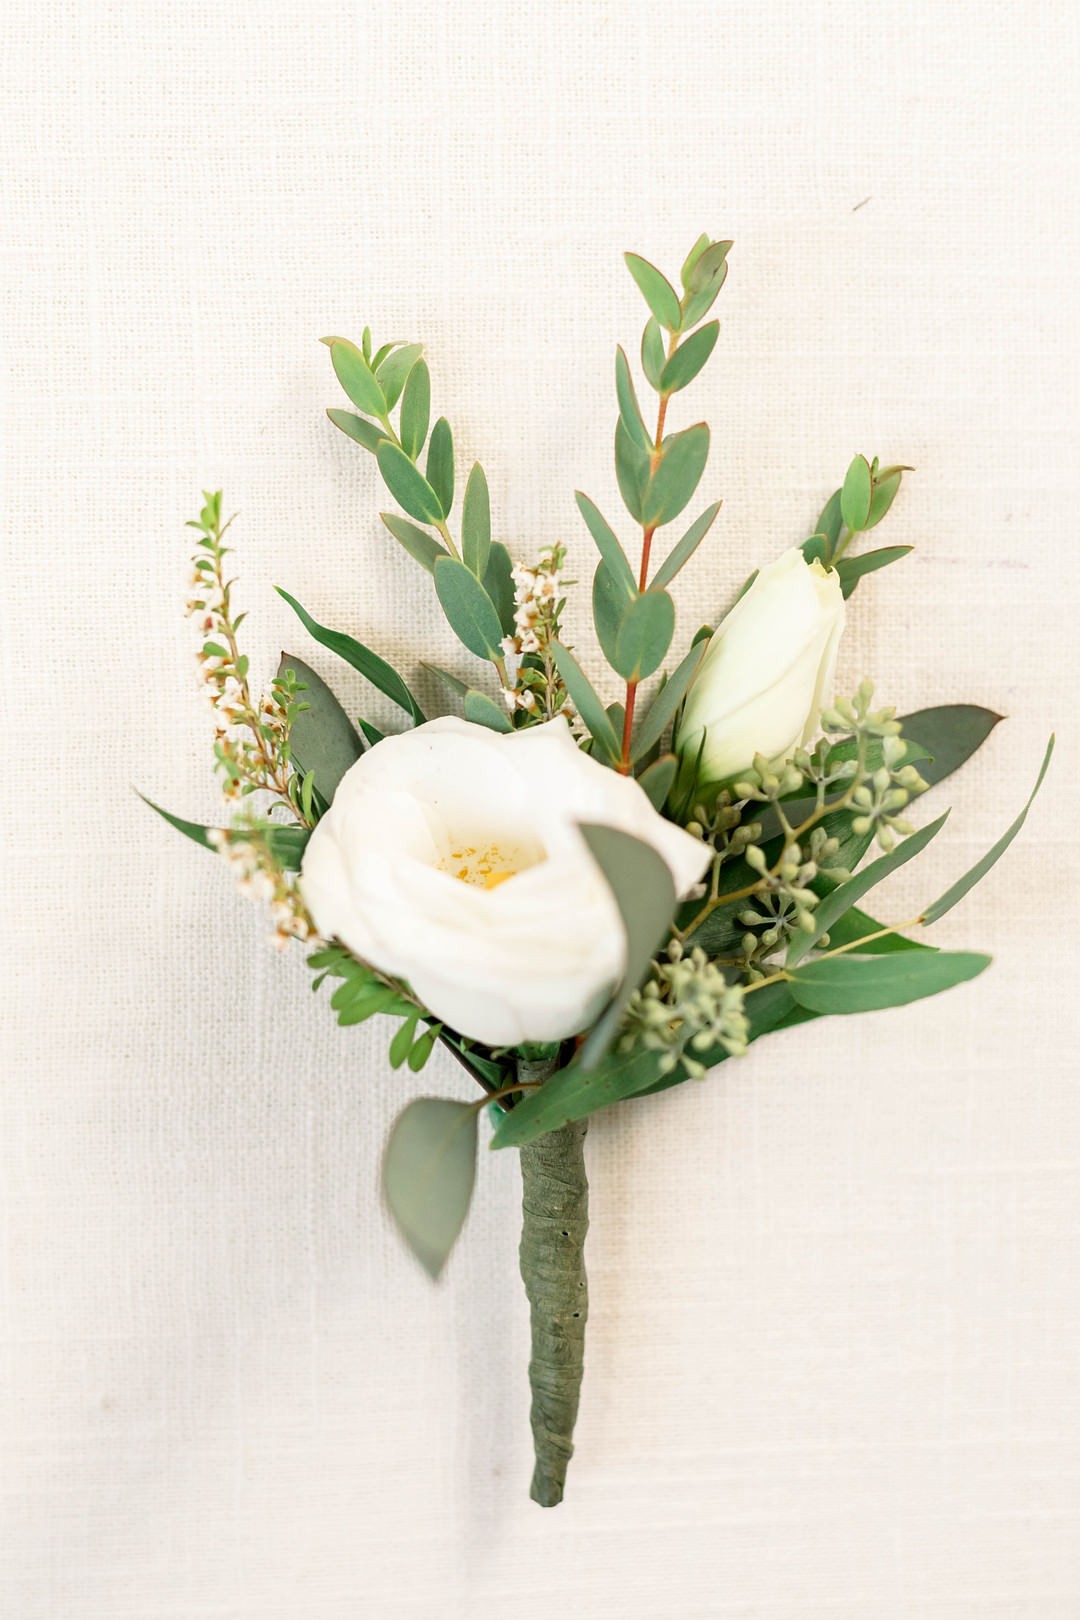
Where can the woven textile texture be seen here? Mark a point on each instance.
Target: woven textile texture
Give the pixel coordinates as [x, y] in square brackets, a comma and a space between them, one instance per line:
[832, 1369]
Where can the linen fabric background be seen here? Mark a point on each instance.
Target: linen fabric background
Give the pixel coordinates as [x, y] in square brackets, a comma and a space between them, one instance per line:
[833, 1356]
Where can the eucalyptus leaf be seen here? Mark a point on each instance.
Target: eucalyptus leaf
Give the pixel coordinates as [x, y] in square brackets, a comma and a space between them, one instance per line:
[607, 542]
[356, 376]
[696, 304]
[401, 1045]
[484, 711]
[611, 602]
[440, 464]
[455, 684]
[586, 702]
[415, 410]
[977, 872]
[365, 433]
[692, 258]
[468, 608]
[408, 485]
[644, 635]
[394, 371]
[653, 355]
[856, 927]
[643, 889]
[662, 710]
[632, 470]
[428, 1173]
[830, 522]
[658, 780]
[886, 487]
[676, 475]
[848, 894]
[680, 554]
[657, 290]
[499, 584]
[854, 984]
[856, 494]
[851, 569]
[476, 522]
[708, 266]
[689, 358]
[323, 740]
[950, 734]
[422, 546]
[629, 409]
[371, 666]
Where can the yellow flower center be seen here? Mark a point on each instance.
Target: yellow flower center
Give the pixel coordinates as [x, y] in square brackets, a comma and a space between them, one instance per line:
[485, 867]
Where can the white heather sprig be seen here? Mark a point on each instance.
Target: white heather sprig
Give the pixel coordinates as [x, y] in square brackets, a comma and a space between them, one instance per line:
[259, 876]
[537, 692]
[686, 1007]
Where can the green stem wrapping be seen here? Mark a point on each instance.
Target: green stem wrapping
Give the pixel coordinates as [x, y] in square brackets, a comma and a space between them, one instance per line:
[555, 1219]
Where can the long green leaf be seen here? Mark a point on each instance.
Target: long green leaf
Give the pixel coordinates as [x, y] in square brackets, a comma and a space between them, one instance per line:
[851, 569]
[476, 522]
[415, 410]
[286, 844]
[586, 701]
[853, 984]
[607, 542]
[417, 542]
[629, 409]
[632, 470]
[408, 485]
[643, 889]
[356, 376]
[468, 608]
[848, 894]
[323, 740]
[499, 584]
[428, 1173]
[371, 666]
[440, 464]
[950, 734]
[856, 494]
[689, 358]
[974, 875]
[368, 434]
[484, 711]
[652, 351]
[664, 704]
[680, 554]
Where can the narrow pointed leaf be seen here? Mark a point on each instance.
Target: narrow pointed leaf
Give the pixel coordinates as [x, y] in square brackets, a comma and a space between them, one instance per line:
[499, 584]
[424, 547]
[286, 844]
[586, 701]
[428, 1173]
[371, 666]
[394, 371]
[851, 569]
[484, 711]
[408, 485]
[856, 494]
[607, 542]
[653, 355]
[415, 410]
[440, 464]
[950, 734]
[830, 522]
[323, 740]
[662, 709]
[468, 607]
[632, 470]
[629, 409]
[680, 554]
[886, 489]
[643, 889]
[456, 685]
[854, 984]
[829, 910]
[692, 258]
[368, 434]
[356, 376]
[708, 266]
[976, 873]
[689, 358]
[611, 603]
[659, 779]
[856, 926]
[657, 290]
[476, 522]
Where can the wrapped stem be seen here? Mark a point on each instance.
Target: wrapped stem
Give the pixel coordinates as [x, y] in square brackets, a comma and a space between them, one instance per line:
[555, 1219]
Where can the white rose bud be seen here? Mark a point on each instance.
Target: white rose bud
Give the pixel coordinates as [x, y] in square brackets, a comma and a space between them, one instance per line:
[451, 858]
[767, 671]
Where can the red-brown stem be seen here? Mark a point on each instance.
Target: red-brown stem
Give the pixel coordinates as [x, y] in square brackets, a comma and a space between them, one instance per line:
[643, 579]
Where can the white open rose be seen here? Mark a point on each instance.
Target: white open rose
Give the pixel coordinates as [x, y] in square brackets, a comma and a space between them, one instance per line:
[767, 672]
[451, 858]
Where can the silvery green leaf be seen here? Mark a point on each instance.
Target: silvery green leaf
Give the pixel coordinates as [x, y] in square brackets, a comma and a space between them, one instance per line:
[851, 569]
[659, 779]
[287, 844]
[644, 635]
[424, 547]
[371, 666]
[653, 356]
[856, 926]
[676, 475]
[484, 711]
[586, 702]
[476, 522]
[699, 303]
[428, 1173]
[607, 542]
[950, 733]
[680, 554]
[408, 485]
[440, 464]
[976, 873]
[657, 290]
[468, 608]
[632, 470]
[629, 409]
[356, 376]
[611, 603]
[692, 258]
[394, 371]
[499, 584]
[855, 984]
[830, 522]
[415, 410]
[689, 358]
[365, 433]
[708, 266]
[662, 709]
[643, 889]
[323, 741]
[856, 494]
[886, 486]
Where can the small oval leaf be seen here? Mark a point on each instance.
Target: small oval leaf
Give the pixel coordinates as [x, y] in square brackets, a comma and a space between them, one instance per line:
[428, 1173]
[356, 376]
[644, 635]
[657, 290]
[468, 608]
[476, 522]
[415, 410]
[408, 485]
[440, 464]
[856, 494]
[676, 475]
[689, 358]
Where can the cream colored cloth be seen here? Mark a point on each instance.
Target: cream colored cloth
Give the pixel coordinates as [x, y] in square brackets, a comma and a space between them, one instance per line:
[835, 1333]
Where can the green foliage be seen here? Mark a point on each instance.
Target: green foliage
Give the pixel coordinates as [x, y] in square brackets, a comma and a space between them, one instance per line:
[658, 292]
[856, 494]
[440, 464]
[476, 522]
[371, 666]
[611, 603]
[484, 711]
[658, 779]
[499, 585]
[408, 485]
[950, 733]
[689, 358]
[676, 475]
[587, 703]
[415, 410]
[852, 569]
[364, 432]
[394, 371]
[324, 741]
[428, 1173]
[853, 984]
[644, 634]
[653, 354]
[417, 542]
[642, 888]
[468, 608]
[633, 467]
[286, 844]
[356, 376]
[607, 543]
[680, 554]
[664, 705]
[629, 409]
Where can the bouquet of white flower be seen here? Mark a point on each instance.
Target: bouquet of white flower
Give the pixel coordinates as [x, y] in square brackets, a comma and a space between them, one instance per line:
[582, 900]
